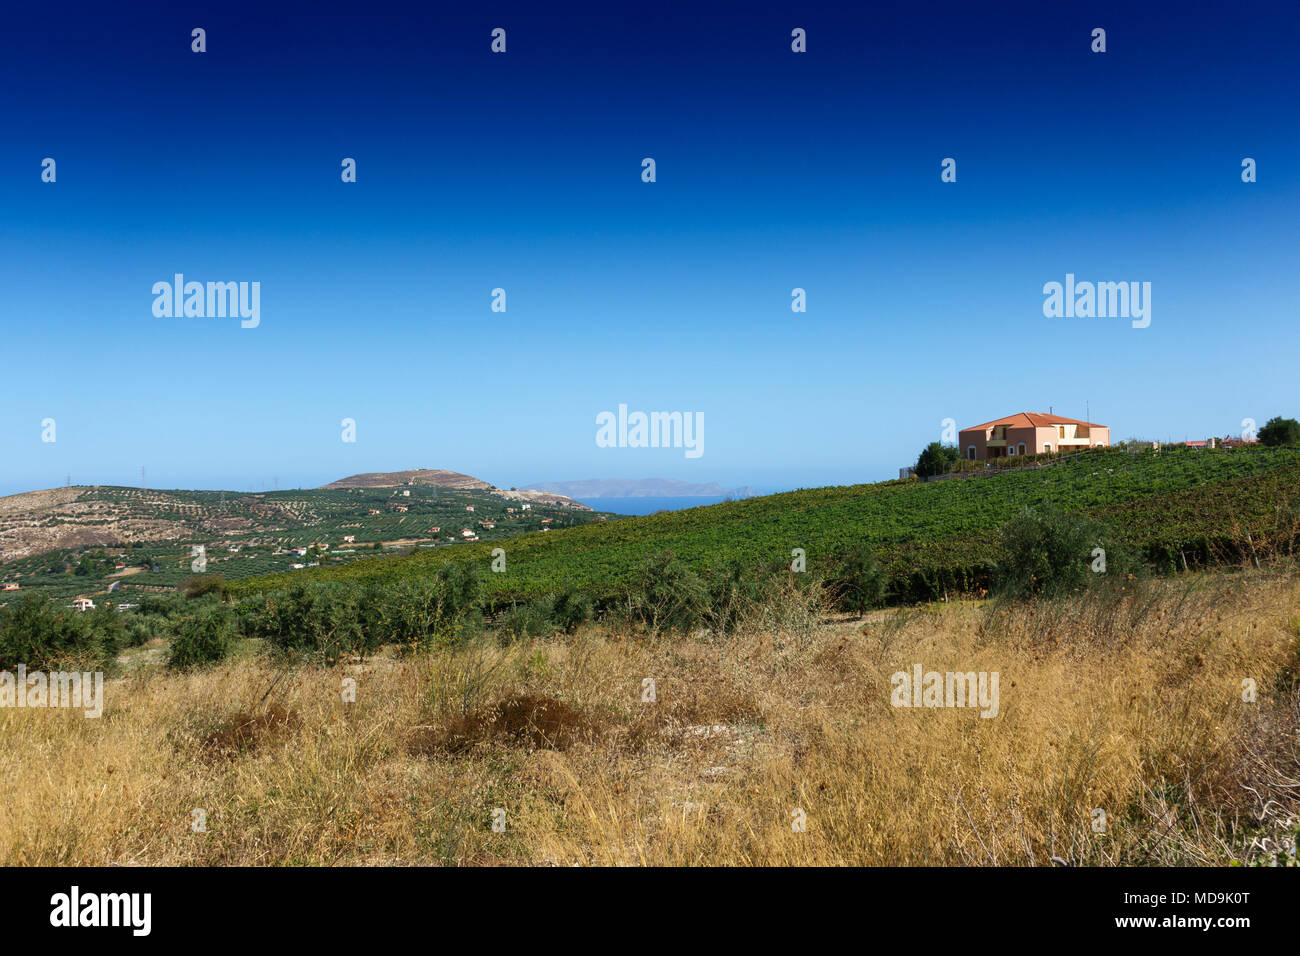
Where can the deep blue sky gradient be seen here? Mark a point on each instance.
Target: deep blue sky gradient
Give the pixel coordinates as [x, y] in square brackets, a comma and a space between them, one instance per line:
[522, 170]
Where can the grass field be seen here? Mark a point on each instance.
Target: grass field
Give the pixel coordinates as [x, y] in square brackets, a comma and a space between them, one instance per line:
[1130, 704]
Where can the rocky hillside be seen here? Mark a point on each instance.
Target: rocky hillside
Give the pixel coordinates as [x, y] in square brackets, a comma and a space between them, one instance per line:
[451, 479]
[419, 476]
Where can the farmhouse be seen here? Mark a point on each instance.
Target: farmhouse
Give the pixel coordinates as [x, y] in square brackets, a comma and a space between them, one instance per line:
[1030, 433]
[349, 538]
[84, 604]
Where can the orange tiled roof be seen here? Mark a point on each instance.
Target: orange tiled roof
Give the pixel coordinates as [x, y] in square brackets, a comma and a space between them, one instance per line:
[1034, 419]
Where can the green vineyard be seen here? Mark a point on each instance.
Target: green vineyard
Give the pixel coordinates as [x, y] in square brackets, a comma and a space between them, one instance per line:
[1179, 507]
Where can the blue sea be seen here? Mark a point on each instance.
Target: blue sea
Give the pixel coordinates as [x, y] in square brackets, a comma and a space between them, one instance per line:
[648, 506]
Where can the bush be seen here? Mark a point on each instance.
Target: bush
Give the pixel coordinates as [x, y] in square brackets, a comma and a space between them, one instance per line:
[202, 585]
[1048, 551]
[858, 583]
[571, 609]
[668, 596]
[1280, 431]
[202, 638]
[421, 613]
[731, 597]
[534, 619]
[330, 619]
[44, 636]
[140, 628]
[164, 605]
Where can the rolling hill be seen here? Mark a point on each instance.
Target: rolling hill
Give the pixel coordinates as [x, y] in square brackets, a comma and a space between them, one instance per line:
[145, 537]
[1176, 506]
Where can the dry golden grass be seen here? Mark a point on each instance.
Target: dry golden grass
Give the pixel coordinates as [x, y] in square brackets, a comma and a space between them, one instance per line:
[1134, 707]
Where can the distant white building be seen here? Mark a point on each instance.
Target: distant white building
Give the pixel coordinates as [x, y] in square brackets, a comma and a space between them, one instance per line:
[84, 604]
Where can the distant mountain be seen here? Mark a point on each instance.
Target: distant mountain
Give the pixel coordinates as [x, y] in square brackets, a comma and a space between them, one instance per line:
[641, 488]
[453, 480]
[419, 476]
[148, 534]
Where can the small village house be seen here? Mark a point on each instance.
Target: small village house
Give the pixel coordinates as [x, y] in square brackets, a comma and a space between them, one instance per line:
[1030, 433]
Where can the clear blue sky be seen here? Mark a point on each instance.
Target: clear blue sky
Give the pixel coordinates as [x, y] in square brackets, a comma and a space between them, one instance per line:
[522, 171]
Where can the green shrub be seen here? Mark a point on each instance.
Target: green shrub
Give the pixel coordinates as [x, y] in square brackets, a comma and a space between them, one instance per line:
[202, 585]
[427, 612]
[139, 629]
[1048, 552]
[532, 619]
[668, 596]
[858, 583]
[165, 605]
[731, 596]
[571, 609]
[330, 619]
[204, 637]
[44, 636]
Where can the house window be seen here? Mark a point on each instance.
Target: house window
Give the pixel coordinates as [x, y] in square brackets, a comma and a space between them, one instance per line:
[1011, 451]
[1062, 427]
[970, 452]
[1022, 448]
[1048, 447]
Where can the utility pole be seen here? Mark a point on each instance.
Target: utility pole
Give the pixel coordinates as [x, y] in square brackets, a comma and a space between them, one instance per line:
[144, 485]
